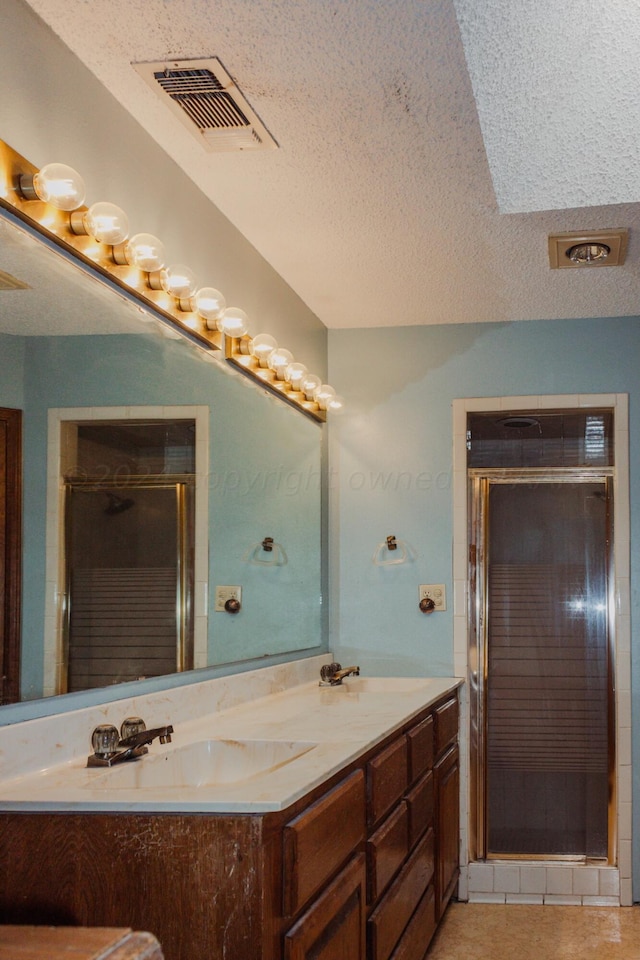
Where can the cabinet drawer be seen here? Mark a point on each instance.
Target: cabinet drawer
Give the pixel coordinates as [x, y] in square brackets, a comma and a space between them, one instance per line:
[420, 803]
[387, 849]
[389, 919]
[335, 921]
[446, 724]
[320, 839]
[387, 779]
[420, 930]
[420, 740]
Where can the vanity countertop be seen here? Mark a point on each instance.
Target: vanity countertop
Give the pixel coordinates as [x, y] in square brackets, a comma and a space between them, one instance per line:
[323, 728]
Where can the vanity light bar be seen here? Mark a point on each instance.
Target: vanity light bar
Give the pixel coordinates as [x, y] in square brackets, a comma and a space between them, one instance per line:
[50, 201]
[263, 361]
[20, 194]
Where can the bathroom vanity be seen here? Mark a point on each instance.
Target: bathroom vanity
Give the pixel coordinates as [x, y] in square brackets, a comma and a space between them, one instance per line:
[360, 863]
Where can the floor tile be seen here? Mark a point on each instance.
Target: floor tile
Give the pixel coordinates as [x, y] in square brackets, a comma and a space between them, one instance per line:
[474, 931]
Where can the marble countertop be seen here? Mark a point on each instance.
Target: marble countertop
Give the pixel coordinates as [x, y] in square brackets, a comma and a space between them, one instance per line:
[322, 728]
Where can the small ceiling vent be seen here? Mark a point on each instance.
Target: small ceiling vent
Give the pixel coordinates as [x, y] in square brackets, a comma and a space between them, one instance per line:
[208, 102]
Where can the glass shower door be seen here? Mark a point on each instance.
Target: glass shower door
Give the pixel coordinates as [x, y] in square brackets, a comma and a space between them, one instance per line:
[128, 581]
[547, 668]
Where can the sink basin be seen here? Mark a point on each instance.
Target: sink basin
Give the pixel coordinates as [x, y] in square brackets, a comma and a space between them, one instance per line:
[201, 764]
[383, 684]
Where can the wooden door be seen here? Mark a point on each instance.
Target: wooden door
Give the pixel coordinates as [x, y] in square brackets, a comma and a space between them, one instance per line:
[10, 552]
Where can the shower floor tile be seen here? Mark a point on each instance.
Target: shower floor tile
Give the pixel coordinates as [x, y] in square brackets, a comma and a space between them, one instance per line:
[473, 931]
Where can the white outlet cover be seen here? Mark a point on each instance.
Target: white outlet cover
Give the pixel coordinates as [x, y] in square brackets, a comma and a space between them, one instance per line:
[436, 592]
[224, 593]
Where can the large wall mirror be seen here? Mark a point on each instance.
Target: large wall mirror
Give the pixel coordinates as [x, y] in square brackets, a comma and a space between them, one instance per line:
[76, 357]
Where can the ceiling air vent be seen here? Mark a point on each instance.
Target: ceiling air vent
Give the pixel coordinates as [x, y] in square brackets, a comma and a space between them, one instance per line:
[208, 102]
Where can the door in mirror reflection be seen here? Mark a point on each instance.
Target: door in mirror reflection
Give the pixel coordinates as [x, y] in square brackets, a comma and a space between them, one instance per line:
[128, 554]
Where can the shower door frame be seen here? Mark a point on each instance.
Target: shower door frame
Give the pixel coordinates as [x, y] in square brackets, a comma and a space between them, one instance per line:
[479, 484]
[185, 527]
[52, 654]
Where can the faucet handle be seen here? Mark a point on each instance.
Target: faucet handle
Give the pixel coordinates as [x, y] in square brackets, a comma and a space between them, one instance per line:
[329, 670]
[131, 725]
[104, 740]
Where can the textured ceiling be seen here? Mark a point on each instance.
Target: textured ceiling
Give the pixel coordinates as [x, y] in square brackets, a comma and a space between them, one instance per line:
[379, 207]
[556, 86]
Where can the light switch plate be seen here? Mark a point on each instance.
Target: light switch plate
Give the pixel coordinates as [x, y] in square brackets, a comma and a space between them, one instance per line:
[436, 592]
[226, 593]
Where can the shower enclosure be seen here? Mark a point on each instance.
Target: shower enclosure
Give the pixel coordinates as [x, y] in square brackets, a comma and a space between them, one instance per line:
[542, 751]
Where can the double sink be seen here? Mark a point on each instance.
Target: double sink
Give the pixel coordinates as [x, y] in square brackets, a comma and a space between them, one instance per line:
[221, 761]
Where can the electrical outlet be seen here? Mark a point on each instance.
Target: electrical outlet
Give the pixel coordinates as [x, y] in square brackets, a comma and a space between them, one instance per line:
[226, 593]
[436, 592]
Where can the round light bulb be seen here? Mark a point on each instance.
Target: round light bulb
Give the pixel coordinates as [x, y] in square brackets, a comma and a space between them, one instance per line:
[209, 303]
[323, 394]
[595, 252]
[178, 281]
[295, 373]
[278, 360]
[145, 252]
[234, 322]
[335, 405]
[57, 184]
[309, 384]
[262, 346]
[105, 222]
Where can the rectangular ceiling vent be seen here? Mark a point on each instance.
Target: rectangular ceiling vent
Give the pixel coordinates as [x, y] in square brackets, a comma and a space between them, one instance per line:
[208, 102]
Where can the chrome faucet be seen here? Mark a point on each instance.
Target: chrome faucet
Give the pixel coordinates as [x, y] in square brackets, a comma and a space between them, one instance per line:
[332, 674]
[110, 748]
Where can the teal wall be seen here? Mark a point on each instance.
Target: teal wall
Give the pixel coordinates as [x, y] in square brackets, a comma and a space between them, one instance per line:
[12, 375]
[391, 461]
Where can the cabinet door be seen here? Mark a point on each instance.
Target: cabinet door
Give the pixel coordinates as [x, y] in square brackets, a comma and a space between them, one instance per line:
[333, 928]
[447, 784]
[319, 841]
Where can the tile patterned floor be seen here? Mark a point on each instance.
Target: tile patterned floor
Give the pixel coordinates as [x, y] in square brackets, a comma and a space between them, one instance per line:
[478, 931]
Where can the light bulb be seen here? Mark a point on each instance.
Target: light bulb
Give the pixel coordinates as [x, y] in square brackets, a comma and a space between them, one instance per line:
[295, 373]
[210, 304]
[57, 184]
[309, 384]
[278, 360]
[143, 251]
[323, 394]
[234, 322]
[261, 347]
[335, 405]
[105, 222]
[178, 281]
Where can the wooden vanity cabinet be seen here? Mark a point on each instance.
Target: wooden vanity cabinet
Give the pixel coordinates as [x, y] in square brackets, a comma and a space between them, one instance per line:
[361, 868]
